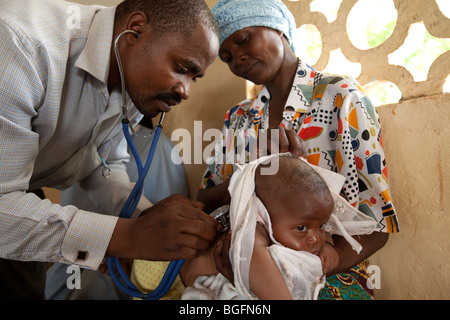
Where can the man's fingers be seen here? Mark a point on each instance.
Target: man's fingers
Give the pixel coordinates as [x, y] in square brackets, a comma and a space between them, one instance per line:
[174, 228]
[192, 244]
[200, 224]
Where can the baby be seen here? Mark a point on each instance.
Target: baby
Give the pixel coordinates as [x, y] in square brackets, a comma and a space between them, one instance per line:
[281, 221]
[298, 203]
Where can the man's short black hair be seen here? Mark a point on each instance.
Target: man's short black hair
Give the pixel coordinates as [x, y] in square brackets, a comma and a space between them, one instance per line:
[169, 16]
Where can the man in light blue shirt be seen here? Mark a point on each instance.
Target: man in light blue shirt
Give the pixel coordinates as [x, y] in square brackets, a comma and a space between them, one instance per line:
[164, 178]
[60, 113]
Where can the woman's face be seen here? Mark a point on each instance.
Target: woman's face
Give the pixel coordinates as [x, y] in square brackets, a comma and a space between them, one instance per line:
[254, 53]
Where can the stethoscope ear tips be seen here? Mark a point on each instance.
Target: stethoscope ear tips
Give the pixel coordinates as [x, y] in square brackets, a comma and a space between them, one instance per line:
[136, 34]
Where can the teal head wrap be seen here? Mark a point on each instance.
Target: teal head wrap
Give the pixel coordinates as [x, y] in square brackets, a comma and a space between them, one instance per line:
[234, 15]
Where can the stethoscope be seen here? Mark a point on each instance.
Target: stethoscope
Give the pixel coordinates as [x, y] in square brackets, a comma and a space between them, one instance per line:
[121, 280]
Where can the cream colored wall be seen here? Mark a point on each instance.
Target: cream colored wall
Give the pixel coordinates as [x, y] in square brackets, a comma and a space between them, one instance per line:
[105, 3]
[415, 264]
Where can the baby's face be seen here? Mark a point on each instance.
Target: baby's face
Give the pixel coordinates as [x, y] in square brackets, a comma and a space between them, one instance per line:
[299, 223]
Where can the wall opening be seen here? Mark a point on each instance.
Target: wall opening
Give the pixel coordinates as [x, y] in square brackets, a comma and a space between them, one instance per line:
[418, 52]
[370, 23]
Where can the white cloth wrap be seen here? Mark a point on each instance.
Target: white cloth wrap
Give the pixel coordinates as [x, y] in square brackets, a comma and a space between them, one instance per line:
[302, 271]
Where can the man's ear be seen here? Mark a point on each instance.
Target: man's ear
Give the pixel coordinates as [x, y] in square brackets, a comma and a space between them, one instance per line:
[137, 21]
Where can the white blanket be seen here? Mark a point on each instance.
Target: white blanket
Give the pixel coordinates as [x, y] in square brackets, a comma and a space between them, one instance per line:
[301, 270]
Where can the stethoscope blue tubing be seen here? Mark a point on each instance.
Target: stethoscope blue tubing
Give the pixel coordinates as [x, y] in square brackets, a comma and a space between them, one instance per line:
[130, 205]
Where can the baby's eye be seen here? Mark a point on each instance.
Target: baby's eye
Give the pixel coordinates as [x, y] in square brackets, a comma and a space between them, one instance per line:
[301, 228]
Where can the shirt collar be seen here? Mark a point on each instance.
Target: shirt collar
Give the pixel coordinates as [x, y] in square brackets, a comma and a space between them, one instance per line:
[300, 97]
[95, 57]
[259, 104]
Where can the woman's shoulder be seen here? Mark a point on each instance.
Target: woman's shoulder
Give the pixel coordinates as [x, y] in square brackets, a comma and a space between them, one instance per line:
[340, 83]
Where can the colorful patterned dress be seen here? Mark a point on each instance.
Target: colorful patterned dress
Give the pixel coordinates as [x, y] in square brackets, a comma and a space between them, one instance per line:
[340, 130]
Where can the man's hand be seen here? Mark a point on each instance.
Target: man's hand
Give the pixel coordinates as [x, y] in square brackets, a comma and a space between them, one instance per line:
[174, 228]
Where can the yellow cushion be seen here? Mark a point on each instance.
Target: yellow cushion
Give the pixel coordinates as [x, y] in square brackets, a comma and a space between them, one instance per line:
[146, 276]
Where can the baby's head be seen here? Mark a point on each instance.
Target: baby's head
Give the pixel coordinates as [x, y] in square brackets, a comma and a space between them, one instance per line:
[299, 204]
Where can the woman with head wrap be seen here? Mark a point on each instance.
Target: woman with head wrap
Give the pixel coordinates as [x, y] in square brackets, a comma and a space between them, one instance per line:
[336, 122]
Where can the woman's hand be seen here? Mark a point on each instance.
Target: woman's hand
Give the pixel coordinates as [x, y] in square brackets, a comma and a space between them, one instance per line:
[281, 140]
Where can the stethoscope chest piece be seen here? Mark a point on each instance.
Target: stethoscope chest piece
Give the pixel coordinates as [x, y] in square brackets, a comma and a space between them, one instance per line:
[222, 214]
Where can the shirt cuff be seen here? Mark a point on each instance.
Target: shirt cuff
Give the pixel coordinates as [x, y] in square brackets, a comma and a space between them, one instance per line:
[87, 239]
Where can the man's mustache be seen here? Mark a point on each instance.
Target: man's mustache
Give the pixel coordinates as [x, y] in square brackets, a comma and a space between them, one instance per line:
[175, 97]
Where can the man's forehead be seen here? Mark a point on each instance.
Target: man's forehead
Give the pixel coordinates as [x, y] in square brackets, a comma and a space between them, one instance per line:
[198, 51]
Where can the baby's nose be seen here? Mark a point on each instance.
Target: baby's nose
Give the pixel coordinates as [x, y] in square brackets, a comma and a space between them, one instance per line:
[314, 243]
